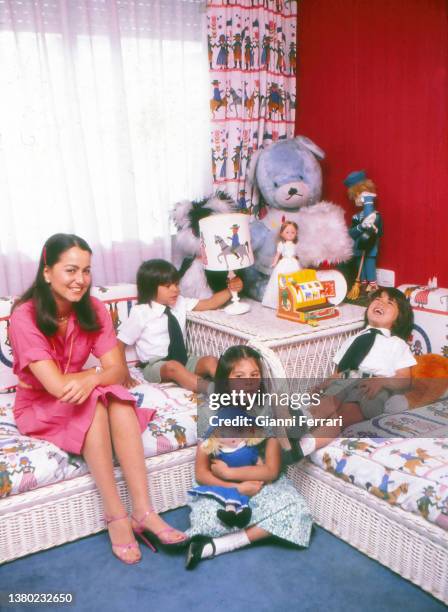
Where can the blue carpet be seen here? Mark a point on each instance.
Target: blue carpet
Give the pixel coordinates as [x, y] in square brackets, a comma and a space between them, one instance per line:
[269, 576]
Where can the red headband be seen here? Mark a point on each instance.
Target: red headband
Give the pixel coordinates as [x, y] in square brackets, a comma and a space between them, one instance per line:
[44, 255]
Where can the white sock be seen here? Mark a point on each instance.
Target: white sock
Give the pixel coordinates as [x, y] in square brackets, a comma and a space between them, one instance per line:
[307, 444]
[227, 543]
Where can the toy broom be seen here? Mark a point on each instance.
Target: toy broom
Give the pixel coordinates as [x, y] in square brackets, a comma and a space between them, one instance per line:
[354, 292]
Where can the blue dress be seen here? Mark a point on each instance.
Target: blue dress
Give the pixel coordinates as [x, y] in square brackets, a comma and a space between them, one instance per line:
[241, 457]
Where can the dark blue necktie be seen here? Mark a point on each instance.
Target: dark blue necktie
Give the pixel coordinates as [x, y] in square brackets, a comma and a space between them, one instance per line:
[358, 350]
[176, 349]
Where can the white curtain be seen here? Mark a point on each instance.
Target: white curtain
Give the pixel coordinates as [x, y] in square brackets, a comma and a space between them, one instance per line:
[104, 125]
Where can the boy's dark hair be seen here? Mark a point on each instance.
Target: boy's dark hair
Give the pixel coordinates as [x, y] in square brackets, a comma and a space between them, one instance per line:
[227, 362]
[42, 296]
[151, 274]
[402, 327]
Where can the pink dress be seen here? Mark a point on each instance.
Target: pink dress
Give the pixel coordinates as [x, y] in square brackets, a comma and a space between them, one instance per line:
[38, 413]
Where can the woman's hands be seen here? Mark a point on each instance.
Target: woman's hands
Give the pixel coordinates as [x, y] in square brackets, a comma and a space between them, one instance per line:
[130, 382]
[77, 390]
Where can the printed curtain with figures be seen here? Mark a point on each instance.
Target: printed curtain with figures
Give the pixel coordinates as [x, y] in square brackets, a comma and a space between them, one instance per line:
[252, 58]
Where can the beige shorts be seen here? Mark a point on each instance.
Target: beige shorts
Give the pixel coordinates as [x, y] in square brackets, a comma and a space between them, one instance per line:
[151, 371]
[347, 390]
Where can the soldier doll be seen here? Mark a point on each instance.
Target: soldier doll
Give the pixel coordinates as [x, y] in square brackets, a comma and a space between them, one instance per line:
[366, 228]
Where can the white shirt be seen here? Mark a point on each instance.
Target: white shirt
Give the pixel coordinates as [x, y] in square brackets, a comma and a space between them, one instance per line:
[147, 327]
[387, 355]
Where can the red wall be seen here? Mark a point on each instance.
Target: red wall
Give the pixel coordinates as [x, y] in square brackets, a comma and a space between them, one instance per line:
[373, 93]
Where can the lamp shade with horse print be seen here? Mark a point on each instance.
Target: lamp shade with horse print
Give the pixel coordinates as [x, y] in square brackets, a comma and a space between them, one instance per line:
[225, 246]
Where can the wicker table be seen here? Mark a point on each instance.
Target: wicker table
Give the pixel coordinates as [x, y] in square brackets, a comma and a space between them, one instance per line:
[291, 350]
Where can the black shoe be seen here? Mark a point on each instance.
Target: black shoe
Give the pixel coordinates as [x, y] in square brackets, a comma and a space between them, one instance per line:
[194, 552]
[242, 518]
[228, 517]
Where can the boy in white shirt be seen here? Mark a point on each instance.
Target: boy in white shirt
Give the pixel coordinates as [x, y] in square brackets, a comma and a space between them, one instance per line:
[156, 326]
[370, 366]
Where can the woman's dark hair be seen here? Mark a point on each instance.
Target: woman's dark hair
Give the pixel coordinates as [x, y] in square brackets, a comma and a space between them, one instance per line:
[402, 327]
[228, 360]
[151, 275]
[42, 296]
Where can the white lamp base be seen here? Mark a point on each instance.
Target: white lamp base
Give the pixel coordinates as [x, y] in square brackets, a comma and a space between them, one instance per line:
[237, 308]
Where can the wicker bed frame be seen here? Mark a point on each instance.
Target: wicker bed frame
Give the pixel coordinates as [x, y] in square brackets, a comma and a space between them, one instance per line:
[405, 543]
[72, 509]
[69, 510]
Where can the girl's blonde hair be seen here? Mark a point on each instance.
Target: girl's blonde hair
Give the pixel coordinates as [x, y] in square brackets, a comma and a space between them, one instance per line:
[213, 444]
[284, 225]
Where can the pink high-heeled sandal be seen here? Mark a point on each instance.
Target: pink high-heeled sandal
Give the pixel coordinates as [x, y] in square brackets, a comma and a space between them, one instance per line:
[123, 547]
[141, 529]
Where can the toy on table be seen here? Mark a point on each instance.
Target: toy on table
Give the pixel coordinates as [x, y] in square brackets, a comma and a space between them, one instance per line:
[366, 229]
[235, 452]
[302, 298]
[287, 179]
[285, 261]
[334, 285]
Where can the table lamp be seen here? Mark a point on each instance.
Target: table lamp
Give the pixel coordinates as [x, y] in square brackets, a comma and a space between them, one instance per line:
[225, 246]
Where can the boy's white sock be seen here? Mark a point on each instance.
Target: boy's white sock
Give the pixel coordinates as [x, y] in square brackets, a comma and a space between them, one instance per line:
[226, 543]
[307, 444]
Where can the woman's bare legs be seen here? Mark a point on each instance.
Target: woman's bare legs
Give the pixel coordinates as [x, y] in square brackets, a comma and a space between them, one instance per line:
[128, 446]
[97, 451]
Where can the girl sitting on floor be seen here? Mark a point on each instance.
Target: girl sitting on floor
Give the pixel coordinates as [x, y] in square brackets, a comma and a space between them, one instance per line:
[277, 507]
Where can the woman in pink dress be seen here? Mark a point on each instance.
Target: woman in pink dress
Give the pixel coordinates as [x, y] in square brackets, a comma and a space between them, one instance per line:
[54, 327]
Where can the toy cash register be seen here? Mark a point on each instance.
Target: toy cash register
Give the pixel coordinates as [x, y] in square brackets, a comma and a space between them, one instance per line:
[302, 298]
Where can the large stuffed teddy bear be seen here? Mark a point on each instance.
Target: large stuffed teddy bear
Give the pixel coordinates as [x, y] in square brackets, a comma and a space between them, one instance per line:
[195, 281]
[289, 179]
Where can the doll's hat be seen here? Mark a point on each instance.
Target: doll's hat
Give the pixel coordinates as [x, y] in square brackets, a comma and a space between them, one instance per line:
[355, 177]
[235, 226]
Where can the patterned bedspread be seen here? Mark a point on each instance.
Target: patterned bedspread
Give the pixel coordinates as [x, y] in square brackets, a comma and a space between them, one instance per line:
[400, 458]
[27, 463]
